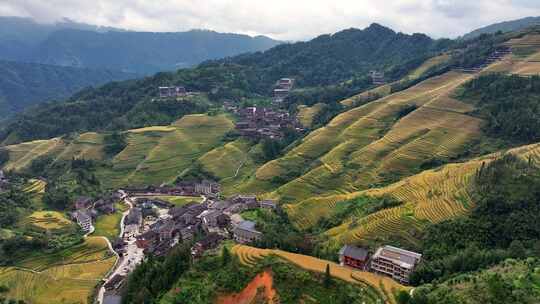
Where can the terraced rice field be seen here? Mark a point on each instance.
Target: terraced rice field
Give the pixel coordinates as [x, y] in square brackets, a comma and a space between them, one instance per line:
[154, 154]
[49, 220]
[528, 64]
[306, 113]
[369, 144]
[86, 146]
[156, 157]
[51, 279]
[385, 286]
[93, 249]
[62, 284]
[429, 197]
[384, 90]
[233, 163]
[21, 155]
[36, 186]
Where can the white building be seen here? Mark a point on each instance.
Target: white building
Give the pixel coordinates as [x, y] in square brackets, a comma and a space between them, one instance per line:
[395, 262]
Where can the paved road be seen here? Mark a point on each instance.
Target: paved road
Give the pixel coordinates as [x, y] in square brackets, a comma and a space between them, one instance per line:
[131, 258]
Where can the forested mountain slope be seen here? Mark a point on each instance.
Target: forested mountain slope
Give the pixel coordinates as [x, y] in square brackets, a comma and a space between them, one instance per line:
[506, 26]
[26, 84]
[349, 55]
[329, 59]
[80, 45]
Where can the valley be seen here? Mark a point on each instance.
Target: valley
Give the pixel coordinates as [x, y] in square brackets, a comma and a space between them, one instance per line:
[195, 210]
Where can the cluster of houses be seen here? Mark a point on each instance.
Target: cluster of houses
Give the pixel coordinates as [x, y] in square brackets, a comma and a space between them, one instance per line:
[88, 209]
[171, 92]
[260, 122]
[387, 260]
[377, 77]
[207, 188]
[158, 225]
[282, 89]
[498, 54]
[174, 92]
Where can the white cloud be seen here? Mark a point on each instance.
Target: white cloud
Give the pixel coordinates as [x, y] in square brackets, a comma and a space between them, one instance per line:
[281, 19]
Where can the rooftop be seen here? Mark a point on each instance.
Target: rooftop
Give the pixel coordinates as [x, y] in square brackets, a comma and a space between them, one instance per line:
[248, 226]
[399, 256]
[354, 252]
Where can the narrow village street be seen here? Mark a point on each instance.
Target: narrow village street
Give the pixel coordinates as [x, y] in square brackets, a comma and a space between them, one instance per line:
[133, 255]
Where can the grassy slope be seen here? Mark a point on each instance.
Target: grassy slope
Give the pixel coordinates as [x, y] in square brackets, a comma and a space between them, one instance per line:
[65, 277]
[109, 225]
[178, 200]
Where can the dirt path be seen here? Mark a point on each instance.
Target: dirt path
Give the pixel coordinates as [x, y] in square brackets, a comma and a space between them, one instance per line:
[260, 286]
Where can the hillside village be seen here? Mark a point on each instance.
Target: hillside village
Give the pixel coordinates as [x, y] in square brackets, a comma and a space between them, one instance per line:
[408, 174]
[153, 226]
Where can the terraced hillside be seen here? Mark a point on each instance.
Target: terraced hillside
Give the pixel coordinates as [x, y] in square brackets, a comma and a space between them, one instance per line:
[384, 90]
[379, 142]
[67, 277]
[525, 59]
[232, 163]
[306, 114]
[429, 197]
[384, 286]
[153, 155]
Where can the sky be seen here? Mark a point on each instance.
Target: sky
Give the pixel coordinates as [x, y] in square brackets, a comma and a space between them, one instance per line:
[279, 19]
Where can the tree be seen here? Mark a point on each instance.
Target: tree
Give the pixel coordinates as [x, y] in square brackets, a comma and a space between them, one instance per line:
[4, 156]
[517, 250]
[327, 277]
[403, 297]
[225, 256]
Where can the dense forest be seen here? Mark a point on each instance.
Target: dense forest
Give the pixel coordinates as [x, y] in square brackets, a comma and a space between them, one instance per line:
[510, 104]
[329, 59]
[25, 84]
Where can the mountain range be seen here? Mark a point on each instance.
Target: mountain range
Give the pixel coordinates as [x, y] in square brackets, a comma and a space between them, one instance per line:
[441, 158]
[343, 59]
[45, 62]
[85, 46]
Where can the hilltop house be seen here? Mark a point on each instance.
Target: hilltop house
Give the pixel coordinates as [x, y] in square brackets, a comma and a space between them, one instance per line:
[353, 256]
[268, 204]
[84, 219]
[245, 232]
[395, 262]
[166, 92]
[377, 78]
[282, 89]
